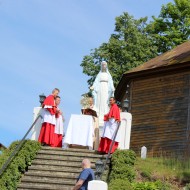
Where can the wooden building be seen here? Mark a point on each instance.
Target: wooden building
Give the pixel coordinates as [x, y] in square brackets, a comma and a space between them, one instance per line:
[159, 96]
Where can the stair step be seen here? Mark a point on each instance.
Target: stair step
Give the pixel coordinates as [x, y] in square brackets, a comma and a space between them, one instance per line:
[54, 168]
[67, 153]
[32, 186]
[58, 163]
[48, 180]
[64, 158]
[69, 149]
[35, 173]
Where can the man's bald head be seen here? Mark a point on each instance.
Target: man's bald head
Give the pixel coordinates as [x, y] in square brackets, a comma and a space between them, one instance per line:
[86, 163]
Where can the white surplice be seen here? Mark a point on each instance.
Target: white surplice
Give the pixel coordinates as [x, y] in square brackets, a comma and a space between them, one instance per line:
[109, 129]
[59, 125]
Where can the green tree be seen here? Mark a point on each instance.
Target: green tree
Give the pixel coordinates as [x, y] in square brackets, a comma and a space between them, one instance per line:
[172, 27]
[128, 47]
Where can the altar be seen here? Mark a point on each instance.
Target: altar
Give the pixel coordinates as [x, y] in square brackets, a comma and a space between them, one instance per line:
[80, 131]
[37, 127]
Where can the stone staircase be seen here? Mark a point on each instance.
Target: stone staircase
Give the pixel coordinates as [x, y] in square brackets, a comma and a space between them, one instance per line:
[56, 169]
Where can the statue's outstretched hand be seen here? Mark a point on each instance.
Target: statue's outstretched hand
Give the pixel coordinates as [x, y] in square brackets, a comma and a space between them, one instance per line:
[91, 88]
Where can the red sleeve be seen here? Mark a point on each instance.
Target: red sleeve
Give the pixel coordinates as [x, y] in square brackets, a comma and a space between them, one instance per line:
[52, 110]
[49, 101]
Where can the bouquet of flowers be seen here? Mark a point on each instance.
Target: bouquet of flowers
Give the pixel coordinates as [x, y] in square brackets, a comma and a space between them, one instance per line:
[85, 102]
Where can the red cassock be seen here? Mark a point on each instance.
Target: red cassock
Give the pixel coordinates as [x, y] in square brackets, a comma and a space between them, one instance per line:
[57, 140]
[47, 134]
[110, 126]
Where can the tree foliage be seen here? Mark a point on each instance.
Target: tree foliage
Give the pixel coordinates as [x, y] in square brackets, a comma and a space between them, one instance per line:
[172, 27]
[135, 41]
[128, 47]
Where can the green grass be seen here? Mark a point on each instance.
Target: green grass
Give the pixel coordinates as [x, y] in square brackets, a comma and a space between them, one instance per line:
[174, 171]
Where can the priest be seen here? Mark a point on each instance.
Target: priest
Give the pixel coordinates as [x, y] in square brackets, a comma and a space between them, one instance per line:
[110, 125]
[46, 136]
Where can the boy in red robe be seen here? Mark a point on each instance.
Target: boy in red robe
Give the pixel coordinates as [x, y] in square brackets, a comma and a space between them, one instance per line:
[110, 125]
[46, 136]
[58, 133]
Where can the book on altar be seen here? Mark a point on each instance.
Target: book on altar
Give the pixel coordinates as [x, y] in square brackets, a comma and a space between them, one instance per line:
[89, 111]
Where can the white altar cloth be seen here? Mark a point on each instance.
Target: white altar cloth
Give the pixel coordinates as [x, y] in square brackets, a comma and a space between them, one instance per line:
[80, 131]
[124, 132]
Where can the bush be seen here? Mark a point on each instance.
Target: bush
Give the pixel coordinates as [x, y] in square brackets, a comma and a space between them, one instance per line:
[122, 163]
[187, 187]
[184, 176]
[120, 184]
[11, 176]
[146, 174]
[127, 157]
[122, 172]
[158, 185]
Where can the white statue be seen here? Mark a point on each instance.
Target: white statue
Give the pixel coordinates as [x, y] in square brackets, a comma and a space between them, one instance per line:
[102, 90]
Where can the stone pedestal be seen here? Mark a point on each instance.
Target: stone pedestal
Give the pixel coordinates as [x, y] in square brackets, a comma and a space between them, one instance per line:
[124, 132]
[37, 127]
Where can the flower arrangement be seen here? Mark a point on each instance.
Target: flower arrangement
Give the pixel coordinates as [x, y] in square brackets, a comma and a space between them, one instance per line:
[85, 102]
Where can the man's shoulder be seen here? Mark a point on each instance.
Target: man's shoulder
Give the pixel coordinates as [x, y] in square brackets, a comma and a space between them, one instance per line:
[50, 96]
[89, 170]
[86, 172]
[49, 100]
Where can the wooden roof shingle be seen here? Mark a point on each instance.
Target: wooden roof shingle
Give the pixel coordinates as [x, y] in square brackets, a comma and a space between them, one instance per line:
[180, 54]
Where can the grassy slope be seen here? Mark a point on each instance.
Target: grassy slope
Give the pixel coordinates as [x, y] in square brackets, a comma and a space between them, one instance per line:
[171, 171]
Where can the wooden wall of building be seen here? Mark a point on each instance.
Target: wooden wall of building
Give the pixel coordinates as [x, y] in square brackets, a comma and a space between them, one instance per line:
[160, 110]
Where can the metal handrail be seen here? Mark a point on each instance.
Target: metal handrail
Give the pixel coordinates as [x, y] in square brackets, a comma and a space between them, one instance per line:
[17, 147]
[109, 152]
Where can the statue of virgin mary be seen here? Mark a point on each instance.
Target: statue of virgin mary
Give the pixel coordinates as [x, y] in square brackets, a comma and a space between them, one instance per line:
[102, 90]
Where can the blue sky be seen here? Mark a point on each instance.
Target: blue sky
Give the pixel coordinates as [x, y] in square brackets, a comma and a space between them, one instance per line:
[42, 44]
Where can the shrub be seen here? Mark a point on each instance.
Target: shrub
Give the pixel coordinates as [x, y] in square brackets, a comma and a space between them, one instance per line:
[146, 174]
[11, 176]
[120, 184]
[122, 172]
[158, 185]
[187, 187]
[127, 157]
[122, 163]
[184, 176]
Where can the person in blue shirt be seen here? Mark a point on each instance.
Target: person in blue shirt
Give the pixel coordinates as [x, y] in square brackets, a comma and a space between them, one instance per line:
[85, 176]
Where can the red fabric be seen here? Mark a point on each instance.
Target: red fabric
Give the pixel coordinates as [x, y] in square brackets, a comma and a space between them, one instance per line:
[47, 134]
[52, 110]
[57, 141]
[113, 113]
[105, 144]
[49, 101]
[57, 115]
